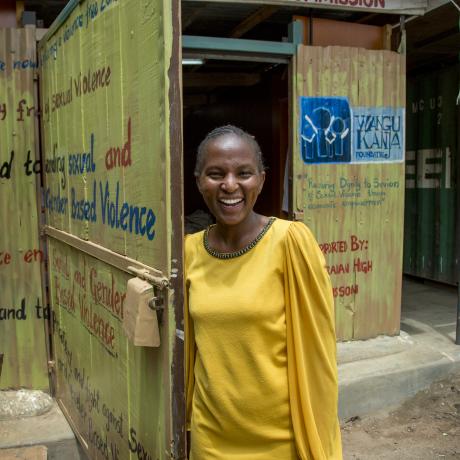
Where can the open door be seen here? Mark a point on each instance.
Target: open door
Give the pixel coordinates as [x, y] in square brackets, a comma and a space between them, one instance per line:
[111, 137]
[348, 178]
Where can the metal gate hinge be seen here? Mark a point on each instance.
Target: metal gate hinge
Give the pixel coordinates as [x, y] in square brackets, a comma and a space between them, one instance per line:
[144, 274]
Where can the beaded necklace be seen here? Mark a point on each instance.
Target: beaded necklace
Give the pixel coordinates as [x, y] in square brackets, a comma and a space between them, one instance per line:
[232, 255]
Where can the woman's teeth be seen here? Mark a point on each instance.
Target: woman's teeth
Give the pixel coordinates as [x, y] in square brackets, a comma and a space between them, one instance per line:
[232, 202]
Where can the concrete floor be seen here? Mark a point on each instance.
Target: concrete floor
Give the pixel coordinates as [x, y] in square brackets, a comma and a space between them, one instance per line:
[379, 374]
[429, 309]
[374, 375]
[49, 430]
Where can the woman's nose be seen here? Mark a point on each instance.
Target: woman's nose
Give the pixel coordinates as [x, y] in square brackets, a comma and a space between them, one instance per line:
[229, 184]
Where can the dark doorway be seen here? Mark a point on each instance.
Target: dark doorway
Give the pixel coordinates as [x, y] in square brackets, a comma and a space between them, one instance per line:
[250, 95]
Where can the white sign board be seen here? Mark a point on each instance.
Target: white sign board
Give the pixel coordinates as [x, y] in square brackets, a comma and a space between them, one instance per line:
[407, 7]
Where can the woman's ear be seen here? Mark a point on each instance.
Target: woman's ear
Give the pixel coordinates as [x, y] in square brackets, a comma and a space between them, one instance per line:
[197, 181]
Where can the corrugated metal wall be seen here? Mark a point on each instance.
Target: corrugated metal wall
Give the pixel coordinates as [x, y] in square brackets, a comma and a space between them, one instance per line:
[22, 332]
[432, 155]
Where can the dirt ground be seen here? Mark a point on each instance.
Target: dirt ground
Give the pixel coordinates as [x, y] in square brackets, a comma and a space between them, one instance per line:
[424, 427]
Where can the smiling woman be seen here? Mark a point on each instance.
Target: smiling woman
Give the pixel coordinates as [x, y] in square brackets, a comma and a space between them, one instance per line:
[230, 176]
[259, 302]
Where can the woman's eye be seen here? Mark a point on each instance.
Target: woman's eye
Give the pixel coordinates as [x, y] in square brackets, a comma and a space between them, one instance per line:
[245, 173]
[215, 175]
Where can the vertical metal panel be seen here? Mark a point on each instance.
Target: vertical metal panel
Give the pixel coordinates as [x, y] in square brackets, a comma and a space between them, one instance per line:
[22, 332]
[448, 125]
[367, 237]
[410, 206]
[428, 178]
[112, 136]
[431, 201]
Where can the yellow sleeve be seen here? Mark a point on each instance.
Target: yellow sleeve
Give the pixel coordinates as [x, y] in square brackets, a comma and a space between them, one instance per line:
[311, 348]
[190, 350]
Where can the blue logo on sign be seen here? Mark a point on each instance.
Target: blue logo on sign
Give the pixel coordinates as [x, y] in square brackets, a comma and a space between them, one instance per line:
[325, 130]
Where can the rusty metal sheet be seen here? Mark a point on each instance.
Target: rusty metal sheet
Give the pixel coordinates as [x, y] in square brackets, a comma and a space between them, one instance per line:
[349, 178]
[22, 314]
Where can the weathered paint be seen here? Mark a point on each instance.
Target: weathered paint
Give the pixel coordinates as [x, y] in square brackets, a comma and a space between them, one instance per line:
[104, 88]
[355, 210]
[430, 228]
[112, 391]
[22, 330]
[127, 112]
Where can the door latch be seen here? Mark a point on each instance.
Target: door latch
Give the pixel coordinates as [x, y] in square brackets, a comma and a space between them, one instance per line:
[156, 303]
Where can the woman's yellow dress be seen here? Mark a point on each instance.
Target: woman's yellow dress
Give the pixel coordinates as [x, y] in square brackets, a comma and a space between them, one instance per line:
[260, 350]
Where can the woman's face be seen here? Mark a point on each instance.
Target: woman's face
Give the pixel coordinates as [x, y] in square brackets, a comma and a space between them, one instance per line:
[230, 180]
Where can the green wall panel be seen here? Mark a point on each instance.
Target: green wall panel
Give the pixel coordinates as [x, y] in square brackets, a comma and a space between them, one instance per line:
[22, 323]
[430, 213]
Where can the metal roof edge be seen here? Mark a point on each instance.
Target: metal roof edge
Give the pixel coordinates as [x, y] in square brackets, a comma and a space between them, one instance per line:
[433, 4]
[61, 18]
[193, 42]
[411, 7]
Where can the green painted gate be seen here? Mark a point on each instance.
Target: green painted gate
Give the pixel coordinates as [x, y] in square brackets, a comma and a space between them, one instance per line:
[111, 146]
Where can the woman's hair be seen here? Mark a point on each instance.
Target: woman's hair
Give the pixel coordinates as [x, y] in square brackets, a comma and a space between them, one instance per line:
[225, 131]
